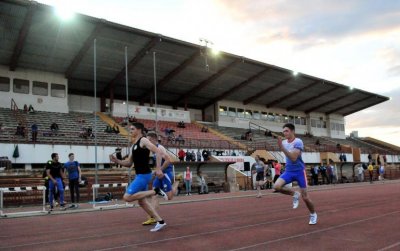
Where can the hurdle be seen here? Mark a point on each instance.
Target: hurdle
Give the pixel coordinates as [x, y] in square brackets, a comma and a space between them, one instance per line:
[18, 190]
[115, 205]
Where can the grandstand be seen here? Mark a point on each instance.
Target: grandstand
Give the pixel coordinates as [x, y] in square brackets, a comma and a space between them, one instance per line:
[49, 64]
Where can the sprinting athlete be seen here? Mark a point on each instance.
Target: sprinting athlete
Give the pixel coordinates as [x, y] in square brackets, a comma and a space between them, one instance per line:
[139, 156]
[166, 183]
[295, 170]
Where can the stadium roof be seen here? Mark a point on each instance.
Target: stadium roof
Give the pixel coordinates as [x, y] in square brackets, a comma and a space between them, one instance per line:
[33, 37]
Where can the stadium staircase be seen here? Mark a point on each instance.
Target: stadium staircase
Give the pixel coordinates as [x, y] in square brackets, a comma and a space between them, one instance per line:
[111, 122]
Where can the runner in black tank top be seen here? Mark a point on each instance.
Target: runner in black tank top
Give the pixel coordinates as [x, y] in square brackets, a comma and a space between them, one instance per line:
[137, 189]
[141, 158]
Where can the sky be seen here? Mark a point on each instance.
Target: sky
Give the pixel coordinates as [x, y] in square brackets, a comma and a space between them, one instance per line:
[351, 42]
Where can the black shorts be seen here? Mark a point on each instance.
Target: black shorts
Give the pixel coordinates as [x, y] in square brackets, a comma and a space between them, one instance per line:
[260, 177]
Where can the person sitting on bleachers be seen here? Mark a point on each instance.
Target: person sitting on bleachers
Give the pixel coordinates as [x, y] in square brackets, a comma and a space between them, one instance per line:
[1, 127]
[54, 128]
[268, 133]
[83, 133]
[108, 129]
[90, 132]
[249, 135]
[20, 130]
[30, 109]
[115, 128]
[317, 143]
[132, 119]
[204, 129]
[180, 139]
[181, 124]
[25, 108]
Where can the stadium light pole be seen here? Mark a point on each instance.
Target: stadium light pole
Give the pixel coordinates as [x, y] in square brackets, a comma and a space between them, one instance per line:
[127, 104]
[95, 110]
[155, 88]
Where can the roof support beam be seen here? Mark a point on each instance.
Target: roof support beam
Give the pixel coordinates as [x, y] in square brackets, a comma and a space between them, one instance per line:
[347, 105]
[170, 75]
[86, 45]
[22, 36]
[329, 102]
[363, 107]
[312, 98]
[291, 94]
[263, 92]
[236, 88]
[209, 80]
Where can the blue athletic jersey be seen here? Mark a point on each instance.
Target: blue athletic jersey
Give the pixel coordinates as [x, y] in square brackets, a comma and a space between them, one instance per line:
[298, 164]
[168, 168]
[72, 168]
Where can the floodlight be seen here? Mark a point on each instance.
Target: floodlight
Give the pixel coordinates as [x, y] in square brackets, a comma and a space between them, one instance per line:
[64, 12]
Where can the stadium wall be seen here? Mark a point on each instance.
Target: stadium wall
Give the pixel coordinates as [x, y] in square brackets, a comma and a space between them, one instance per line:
[48, 102]
[37, 154]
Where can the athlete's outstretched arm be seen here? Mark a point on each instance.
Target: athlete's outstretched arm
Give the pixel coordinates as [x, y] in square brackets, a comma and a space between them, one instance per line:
[127, 162]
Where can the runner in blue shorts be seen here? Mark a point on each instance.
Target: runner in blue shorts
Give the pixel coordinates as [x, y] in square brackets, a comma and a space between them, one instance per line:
[138, 189]
[294, 171]
[166, 183]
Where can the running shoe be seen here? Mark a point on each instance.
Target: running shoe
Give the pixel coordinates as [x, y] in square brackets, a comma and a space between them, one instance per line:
[158, 227]
[313, 219]
[296, 200]
[150, 221]
[161, 193]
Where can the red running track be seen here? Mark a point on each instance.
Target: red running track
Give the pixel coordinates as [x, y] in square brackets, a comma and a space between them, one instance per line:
[365, 217]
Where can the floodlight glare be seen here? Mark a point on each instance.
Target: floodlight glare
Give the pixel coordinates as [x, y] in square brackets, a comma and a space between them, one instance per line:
[64, 12]
[295, 73]
[214, 51]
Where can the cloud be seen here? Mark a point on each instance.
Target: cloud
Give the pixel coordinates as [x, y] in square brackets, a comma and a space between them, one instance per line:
[312, 21]
[380, 121]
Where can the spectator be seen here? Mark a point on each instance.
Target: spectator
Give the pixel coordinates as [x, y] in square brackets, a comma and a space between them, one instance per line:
[193, 155]
[20, 130]
[338, 147]
[371, 172]
[25, 108]
[317, 143]
[316, 172]
[181, 124]
[180, 139]
[324, 177]
[233, 153]
[34, 129]
[268, 133]
[54, 128]
[205, 155]
[202, 183]
[384, 159]
[118, 154]
[74, 176]
[108, 129]
[181, 155]
[204, 129]
[360, 173]
[249, 135]
[115, 128]
[55, 172]
[369, 158]
[1, 127]
[187, 176]
[277, 168]
[30, 109]
[89, 132]
[132, 119]
[198, 154]
[188, 155]
[378, 160]
[381, 172]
